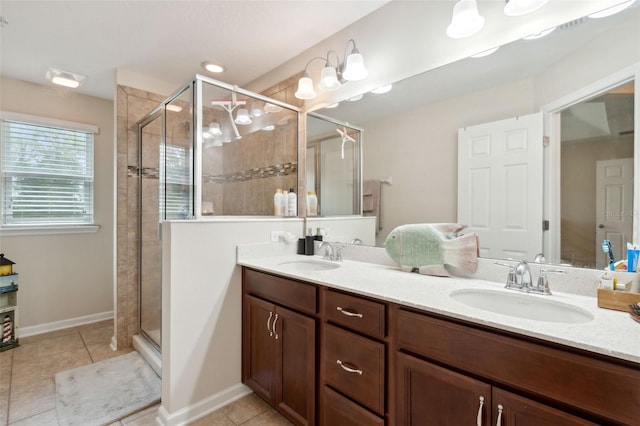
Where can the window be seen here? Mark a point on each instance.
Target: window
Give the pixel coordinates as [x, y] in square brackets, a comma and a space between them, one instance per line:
[174, 199]
[47, 172]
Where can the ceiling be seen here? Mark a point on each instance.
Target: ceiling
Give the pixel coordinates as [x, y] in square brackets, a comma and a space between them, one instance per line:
[165, 40]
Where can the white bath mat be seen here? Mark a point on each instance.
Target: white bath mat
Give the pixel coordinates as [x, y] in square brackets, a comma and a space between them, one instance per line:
[105, 391]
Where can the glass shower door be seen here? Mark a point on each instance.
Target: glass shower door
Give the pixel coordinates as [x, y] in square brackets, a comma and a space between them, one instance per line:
[150, 303]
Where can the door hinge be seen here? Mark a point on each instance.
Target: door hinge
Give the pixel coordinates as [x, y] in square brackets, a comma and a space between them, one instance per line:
[545, 225]
[545, 141]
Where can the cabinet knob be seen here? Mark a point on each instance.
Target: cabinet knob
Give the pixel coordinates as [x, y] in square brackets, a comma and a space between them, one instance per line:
[348, 369]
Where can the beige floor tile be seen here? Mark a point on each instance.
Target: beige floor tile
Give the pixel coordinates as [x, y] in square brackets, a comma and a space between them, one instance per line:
[48, 418]
[32, 399]
[26, 371]
[217, 418]
[4, 407]
[142, 418]
[63, 361]
[97, 335]
[245, 408]
[268, 418]
[101, 352]
[63, 343]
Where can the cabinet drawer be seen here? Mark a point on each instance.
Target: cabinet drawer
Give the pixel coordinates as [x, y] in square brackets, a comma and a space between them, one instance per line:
[290, 293]
[606, 389]
[355, 366]
[338, 410]
[355, 313]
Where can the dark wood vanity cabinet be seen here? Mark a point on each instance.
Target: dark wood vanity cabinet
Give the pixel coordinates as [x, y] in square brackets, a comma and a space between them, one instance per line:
[441, 365]
[319, 355]
[353, 360]
[279, 344]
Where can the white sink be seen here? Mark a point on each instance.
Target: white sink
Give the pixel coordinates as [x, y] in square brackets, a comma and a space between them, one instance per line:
[528, 306]
[308, 265]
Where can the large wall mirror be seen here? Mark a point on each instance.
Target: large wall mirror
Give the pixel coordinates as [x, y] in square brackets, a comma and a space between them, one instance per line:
[333, 166]
[412, 131]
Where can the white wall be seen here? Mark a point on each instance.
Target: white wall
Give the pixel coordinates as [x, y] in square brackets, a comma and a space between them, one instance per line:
[66, 278]
[202, 311]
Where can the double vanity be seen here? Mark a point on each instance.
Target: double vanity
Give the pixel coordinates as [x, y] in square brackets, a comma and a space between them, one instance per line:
[358, 343]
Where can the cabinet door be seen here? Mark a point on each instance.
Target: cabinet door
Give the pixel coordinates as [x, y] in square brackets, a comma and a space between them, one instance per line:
[296, 356]
[429, 395]
[513, 410]
[259, 349]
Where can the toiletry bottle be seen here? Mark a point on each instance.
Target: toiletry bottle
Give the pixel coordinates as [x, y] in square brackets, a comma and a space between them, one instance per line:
[312, 204]
[309, 243]
[278, 201]
[292, 202]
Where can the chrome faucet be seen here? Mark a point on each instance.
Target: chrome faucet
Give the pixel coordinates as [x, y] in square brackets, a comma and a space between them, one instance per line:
[519, 278]
[356, 242]
[330, 253]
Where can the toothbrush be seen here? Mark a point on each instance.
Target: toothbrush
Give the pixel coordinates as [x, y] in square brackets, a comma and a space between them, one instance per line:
[607, 248]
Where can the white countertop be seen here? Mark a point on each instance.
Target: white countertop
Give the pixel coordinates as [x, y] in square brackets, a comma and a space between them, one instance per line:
[611, 333]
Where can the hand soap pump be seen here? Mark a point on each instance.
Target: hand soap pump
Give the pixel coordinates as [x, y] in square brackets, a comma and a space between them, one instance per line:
[292, 203]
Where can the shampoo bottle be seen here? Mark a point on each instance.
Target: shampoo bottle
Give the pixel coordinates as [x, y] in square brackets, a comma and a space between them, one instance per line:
[312, 204]
[278, 202]
[292, 203]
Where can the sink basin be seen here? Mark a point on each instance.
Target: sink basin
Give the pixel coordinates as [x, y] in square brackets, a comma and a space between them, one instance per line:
[309, 265]
[527, 306]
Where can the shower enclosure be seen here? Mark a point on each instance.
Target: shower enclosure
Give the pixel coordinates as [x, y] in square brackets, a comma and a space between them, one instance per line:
[210, 149]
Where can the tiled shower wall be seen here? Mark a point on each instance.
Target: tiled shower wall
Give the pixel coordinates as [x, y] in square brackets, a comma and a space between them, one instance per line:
[251, 196]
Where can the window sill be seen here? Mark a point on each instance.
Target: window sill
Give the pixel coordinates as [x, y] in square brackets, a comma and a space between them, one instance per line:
[15, 231]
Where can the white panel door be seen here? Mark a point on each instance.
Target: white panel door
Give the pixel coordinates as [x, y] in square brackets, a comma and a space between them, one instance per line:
[614, 207]
[500, 185]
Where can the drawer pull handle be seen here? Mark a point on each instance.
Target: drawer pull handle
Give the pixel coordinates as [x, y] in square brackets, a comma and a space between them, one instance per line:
[348, 369]
[479, 420]
[348, 312]
[499, 421]
[275, 320]
[269, 324]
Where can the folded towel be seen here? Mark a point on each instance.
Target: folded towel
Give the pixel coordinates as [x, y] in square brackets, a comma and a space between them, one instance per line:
[371, 201]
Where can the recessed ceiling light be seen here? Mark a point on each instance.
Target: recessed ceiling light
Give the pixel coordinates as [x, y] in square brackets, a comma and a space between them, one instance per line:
[211, 67]
[64, 78]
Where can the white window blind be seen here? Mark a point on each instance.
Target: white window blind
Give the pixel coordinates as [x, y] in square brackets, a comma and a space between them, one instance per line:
[174, 199]
[47, 174]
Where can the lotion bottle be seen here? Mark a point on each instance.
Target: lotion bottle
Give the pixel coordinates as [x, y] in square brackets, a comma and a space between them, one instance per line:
[312, 204]
[292, 203]
[278, 201]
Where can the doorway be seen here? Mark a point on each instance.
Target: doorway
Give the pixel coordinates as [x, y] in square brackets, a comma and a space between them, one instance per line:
[592, 189]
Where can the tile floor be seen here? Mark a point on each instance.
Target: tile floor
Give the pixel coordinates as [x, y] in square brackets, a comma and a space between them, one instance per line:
[27, 388]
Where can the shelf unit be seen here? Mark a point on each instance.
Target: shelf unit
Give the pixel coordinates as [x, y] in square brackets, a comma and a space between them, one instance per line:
[8, 311]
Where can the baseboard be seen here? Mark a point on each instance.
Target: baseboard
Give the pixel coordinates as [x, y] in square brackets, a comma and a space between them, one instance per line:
[34, 330]
[200, 409]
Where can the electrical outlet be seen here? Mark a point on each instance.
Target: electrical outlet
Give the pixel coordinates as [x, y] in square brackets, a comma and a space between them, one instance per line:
[275, 236]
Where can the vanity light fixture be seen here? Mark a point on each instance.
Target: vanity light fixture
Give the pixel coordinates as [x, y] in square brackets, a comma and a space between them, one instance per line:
[382, 89]
[612, 10]
[332, 77]
[486, 52]
[466, 20]
[242, 117]
[256, 111]
[212, 131]
[522, 7]
[65, 78]
[271, 108]
[211, 67]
